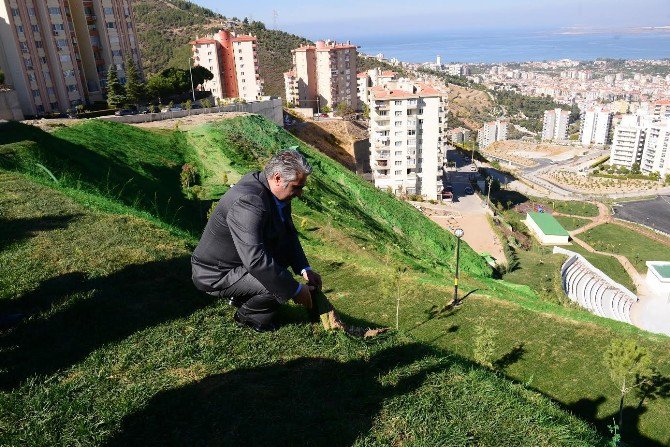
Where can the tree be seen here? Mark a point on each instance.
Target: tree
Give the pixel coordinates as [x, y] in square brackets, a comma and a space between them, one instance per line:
[2, 77]
[116, 94]
[200, 75]
[366, 111]
[188, 104]
[635, 169]
[628, 365]
[135, 88]
[343, 109]
[326, 109]
[169, 82]
[206, 103]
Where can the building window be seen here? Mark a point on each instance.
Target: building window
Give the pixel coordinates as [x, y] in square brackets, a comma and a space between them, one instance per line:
[398, 163]
[35, 28]
[24, 47]
[39, 44]
[111, 25]
[397, 103]
[72, 88]
[31, 12]
[57, 27]
[15, 12]
[65, 58]
[51, 91]
[54, 11]
[43, 60]
[399, 172]
[19, 28]
[31, 77]
[36, 93]
[398, 123]
[411, 132]
[109, 11]
[398, 143]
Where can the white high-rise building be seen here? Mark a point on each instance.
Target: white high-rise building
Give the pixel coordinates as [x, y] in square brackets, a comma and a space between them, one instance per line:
[408, 130]
[491, 132]
[596, 125]
[656, 152]
[372, 78]
[323, 75]
[555, 125]
[629, 140]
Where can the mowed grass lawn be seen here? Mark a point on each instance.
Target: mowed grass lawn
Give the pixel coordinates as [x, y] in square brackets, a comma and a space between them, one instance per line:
[637, 247]
[571, 223]
[118, 348]
[584, 209]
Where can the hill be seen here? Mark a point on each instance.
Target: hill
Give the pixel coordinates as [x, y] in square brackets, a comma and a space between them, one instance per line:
[118, 348]
[166, 26]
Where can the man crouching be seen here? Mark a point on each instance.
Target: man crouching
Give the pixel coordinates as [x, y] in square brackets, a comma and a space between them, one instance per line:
[250, 242]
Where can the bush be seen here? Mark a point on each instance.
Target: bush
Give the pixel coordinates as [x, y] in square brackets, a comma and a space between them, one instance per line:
[2, 77]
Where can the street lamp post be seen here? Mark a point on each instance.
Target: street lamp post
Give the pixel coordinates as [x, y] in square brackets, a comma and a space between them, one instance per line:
[459, 234]
[190, 70]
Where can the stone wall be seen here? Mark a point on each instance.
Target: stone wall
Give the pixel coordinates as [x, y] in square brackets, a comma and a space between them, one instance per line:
[272, 109]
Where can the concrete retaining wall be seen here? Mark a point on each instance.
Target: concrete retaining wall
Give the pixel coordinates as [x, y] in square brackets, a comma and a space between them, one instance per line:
[10, 109]
[271, 109]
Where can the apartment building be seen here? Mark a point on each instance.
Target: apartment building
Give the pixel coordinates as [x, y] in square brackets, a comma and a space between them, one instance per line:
[408, 137]
[656, 151]
[56, 53]
[233, 60]
[595, 127]
[491, 132]
[322, 75]
[661, 109]
[555, 125]
[371, 78]
[628, 141]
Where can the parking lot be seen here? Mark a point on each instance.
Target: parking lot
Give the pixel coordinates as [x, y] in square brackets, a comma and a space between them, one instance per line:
[653, 213]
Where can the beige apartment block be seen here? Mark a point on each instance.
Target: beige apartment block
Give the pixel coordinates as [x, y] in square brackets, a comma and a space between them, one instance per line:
[555, 125]
[491, 132]
[322, 75]
[371, 78]
[233, 61]
[56, 53]
[408, 137]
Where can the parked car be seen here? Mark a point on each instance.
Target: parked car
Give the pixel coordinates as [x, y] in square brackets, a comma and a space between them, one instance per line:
[447, 195]
[196, 106]
[125, 112]
[448, 188]
[176, 109]
[473, 168]
[469, 190]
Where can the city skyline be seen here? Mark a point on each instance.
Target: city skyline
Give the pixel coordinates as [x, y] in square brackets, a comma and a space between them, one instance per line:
[358, 19]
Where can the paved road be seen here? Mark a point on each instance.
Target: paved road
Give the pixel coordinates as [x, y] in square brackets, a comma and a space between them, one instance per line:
[651, 213]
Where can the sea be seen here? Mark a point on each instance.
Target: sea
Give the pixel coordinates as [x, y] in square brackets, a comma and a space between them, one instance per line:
[517, 46]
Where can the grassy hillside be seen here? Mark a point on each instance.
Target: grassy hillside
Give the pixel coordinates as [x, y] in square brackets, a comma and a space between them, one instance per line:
[354, 234]
[117, 347]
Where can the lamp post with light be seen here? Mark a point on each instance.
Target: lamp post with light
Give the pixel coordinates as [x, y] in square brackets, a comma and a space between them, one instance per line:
[459, 234]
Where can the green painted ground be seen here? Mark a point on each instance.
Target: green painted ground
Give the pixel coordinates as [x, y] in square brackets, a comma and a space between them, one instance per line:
[120, 349]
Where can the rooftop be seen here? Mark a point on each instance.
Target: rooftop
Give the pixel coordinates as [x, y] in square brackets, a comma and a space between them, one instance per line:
[548, 224]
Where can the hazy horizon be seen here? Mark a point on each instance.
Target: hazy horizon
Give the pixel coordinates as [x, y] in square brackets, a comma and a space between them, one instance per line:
[347, 17]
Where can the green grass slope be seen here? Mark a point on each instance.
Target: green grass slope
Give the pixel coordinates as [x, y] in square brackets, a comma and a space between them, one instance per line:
[354, 234]
[117, 348]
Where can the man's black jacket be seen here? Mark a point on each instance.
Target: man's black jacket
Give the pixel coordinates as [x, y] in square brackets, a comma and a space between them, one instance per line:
[245, 233]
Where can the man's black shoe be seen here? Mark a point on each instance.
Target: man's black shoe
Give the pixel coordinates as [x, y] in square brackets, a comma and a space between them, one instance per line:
[242, 321]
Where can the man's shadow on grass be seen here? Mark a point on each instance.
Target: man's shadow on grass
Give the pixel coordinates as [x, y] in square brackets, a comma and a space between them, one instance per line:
[87, 313]
[308, 401]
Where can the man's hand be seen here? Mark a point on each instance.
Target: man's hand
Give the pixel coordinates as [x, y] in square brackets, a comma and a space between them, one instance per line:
[312, 278]
[304, 298]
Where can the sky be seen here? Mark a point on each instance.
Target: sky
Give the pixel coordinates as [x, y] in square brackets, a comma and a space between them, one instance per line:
[341, 18]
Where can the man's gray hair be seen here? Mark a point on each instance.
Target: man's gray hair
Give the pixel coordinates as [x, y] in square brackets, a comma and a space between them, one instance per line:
[288, 164]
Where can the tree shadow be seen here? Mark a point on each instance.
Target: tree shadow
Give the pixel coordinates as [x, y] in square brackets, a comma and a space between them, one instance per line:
[300, 402]
[511, 357]
[630, 432]
[98, 311]
[18, 230]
